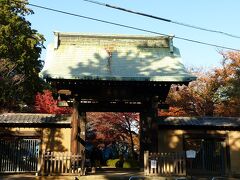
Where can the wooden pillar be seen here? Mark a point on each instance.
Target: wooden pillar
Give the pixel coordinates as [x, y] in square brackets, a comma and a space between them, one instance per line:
[82, 139]
[78, 131]
[82, 132]
[148, 130]
[74, 129]
[146, 163]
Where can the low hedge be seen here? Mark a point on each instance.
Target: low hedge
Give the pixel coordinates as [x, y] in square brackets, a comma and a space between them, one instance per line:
[112, 162]
[129, 163]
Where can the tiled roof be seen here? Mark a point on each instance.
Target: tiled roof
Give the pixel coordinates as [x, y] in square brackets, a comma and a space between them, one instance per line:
[25, 119]
[200, 122]
[114, 57]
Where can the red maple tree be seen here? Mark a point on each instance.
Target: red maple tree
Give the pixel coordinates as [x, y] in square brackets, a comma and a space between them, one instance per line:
[45, 103]
[114, 127]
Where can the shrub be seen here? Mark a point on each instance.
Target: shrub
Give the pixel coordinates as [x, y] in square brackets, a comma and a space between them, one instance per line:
[130, 164]
[126, 164]
[112, 162]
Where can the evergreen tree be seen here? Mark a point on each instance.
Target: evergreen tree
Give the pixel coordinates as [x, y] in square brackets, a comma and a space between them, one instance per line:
[20, 49]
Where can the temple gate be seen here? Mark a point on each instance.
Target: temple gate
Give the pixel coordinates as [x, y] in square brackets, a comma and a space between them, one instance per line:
[114, 73]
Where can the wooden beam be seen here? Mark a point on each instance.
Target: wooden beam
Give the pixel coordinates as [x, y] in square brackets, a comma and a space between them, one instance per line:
[111, 107]
[110, 90]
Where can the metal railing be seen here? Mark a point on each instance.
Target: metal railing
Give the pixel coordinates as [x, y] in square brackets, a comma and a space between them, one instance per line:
[19, 155]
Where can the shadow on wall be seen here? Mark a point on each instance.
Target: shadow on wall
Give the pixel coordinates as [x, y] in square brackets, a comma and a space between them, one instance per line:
[234, 144]
[53, 140]
[170, 140]
[220, 147]
[173, 139]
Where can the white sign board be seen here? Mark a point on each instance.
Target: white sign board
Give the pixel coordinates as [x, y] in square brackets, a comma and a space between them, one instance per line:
[190, 153]
[153, 164]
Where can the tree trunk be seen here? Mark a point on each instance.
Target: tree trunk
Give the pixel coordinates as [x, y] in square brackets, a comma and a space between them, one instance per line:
[131, 135]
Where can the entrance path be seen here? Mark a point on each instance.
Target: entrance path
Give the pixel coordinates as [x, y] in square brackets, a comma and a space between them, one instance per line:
[105, 174]
[101, 175]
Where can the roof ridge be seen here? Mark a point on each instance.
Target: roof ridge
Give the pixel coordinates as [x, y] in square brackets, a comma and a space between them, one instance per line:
[110, 35]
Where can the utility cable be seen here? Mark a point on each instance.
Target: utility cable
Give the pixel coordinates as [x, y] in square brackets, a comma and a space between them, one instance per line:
[162, 19]
[131, 27]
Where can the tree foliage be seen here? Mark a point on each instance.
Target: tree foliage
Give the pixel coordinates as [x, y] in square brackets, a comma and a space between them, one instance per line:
[20, 48]
[9, 79]
[45, 103]
[214, 93]
[229, 78]
[114, 127]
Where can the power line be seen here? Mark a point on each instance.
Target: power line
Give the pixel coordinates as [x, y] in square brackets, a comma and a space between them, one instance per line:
[162, 19]
[131, 27]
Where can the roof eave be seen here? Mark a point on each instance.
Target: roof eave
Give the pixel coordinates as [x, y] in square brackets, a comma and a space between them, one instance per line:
[153, 79]
[36, 125]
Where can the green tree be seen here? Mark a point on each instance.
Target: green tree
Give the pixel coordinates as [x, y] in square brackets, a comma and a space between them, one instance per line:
[20, 49]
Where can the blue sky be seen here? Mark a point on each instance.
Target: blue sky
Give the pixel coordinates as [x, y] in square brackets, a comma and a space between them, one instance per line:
[222, 15]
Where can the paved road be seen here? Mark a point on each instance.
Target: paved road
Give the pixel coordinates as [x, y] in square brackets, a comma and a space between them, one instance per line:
[100, 175]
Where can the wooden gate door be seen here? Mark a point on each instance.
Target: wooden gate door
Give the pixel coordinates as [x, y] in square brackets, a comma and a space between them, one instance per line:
[211, 156]
[19, 155]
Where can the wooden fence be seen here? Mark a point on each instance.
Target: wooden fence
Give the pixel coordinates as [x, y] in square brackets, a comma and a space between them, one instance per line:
[165, 164]
[62, 163]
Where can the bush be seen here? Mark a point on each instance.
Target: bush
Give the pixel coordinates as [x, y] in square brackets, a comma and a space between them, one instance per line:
[130, 164]
[112, 162]
[126, 164]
